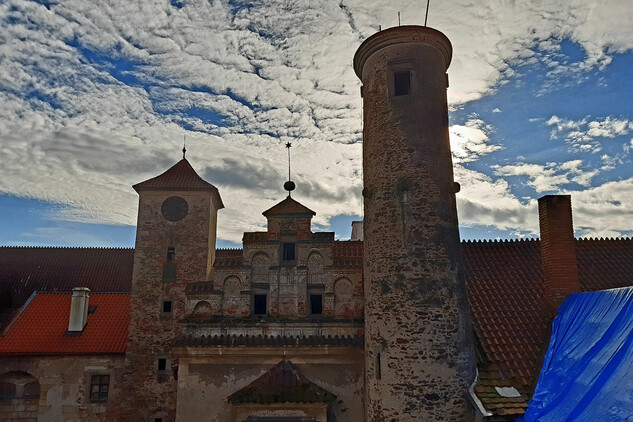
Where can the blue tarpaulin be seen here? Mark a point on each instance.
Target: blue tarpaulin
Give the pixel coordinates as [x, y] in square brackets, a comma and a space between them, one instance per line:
[587, 373]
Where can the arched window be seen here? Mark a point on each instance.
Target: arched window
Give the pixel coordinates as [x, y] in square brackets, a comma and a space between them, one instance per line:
[315, 268]
[203, 309]
[343, 297]
[261, 265]
[18, 385]
[232, 299]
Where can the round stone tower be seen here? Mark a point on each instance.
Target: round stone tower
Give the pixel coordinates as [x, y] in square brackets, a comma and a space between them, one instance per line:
[419, 357]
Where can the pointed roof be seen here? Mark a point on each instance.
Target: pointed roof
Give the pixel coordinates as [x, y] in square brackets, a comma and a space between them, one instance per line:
[180, 176]
[288, 207]
[284, 383]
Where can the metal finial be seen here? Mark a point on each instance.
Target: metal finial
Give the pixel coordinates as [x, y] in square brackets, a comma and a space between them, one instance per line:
[427, 12]
[398, 18]
[289, 185]
[184, 148]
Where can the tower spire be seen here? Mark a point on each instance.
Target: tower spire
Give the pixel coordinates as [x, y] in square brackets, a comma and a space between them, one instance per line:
[289, 185]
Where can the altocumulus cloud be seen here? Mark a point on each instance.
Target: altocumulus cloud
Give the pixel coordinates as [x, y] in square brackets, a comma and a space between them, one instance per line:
[98, 96]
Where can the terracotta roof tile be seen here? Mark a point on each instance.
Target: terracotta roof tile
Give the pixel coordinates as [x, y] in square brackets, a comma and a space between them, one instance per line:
[348, 253]
[41, 328]
[228, 258]
[24, 270]
[505, 289]
[181, 176]
[288, 207]
[283, 383]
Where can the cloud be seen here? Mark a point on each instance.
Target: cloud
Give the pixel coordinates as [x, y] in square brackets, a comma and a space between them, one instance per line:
[586, 136]
[469, 142]
[550, 176]
[95, 97]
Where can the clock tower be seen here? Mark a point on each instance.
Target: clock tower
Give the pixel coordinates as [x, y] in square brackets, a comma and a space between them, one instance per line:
[175, 246]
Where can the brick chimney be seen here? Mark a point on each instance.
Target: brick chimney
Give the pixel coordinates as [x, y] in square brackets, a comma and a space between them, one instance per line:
[558, 248]
[78, 309]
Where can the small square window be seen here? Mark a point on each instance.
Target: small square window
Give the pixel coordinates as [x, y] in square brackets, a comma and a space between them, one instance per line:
[289, 252]
[316, 304]
[166, 306]
[162, 364]
[99, 386]
[402, 83]
[171, 254]
[259, 305]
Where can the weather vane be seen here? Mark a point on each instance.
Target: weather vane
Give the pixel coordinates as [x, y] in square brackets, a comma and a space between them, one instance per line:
[289, 185]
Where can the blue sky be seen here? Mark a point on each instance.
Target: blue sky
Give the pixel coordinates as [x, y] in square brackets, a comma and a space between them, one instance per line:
[95, 98]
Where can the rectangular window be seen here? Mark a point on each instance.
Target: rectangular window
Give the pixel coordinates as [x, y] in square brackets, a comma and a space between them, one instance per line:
[289, 252]
[316, 304]
[402, 83]
[166, 306]
[99, 385]
[259, 305]
[171, 254]
[162, 364]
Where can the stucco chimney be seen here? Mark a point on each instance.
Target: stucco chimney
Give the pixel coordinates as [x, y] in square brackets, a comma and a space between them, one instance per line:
[357, 230]
[558, 248]
[78, 309]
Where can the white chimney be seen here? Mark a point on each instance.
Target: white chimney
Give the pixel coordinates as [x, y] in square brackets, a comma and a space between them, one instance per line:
[357, 230]
[78, 309]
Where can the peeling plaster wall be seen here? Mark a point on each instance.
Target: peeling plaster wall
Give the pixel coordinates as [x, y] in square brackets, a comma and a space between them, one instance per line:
[64, 388]
[205, 382]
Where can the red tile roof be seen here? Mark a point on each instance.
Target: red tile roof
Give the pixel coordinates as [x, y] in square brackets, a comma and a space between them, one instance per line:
[24, 270]
[505, 289]
[283, 383]
[181, 176]
[228, 258]
[288, 207]
[348, 253]
[41, 328]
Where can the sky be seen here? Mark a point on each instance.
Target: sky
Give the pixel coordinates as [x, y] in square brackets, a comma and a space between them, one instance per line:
[98, 96]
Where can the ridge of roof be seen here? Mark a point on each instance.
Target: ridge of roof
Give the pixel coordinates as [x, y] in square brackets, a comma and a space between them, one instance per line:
[283, 383]
[180, 176]
[288, 207]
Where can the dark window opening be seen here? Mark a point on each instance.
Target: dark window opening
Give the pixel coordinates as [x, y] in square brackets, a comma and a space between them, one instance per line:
[402, 83]
[32, 389]
[171, 254]
[162, 364]
[99, 385]
[289, 252]
[7, 390]
[92, 309]
[167, 306]
[316, 304]
[259, 305]
[158, 419]
[378, 369]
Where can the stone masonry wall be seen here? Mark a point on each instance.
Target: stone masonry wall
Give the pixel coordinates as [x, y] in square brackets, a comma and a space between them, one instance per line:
[151, 392]
[419, 357]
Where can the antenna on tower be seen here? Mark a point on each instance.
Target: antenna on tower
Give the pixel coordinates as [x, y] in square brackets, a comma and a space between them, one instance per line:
[184, 148]
[289, 185]
[398, 18]
[426, 17]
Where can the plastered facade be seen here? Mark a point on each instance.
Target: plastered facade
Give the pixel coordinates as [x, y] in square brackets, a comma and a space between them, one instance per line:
[64, 388]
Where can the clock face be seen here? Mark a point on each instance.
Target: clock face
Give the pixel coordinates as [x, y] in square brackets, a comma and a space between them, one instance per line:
[174, 208]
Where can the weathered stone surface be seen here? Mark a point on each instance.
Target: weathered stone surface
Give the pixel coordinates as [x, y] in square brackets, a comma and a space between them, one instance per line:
[419, 356]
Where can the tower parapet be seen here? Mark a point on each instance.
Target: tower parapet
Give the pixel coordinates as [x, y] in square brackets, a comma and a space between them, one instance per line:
[418, 349]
